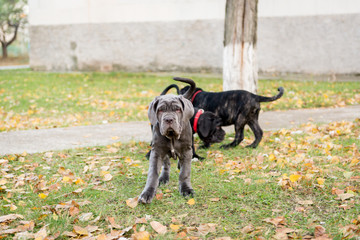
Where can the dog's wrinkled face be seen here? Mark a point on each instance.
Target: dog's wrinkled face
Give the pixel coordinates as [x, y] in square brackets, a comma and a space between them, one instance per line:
[210, 130]
[170, 112]
[169, 115]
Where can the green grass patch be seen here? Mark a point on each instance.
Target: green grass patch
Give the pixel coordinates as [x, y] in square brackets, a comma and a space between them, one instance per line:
[30, 100]
[301, 179]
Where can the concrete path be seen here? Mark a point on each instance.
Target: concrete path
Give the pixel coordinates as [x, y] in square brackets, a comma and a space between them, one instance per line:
[14, 67]
[42, 140]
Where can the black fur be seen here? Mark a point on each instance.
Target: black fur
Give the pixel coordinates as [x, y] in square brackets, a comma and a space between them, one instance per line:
[238, 107]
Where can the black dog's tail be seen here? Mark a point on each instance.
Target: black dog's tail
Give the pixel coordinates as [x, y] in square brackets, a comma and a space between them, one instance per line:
[192, 88]
[270, 99]
[170, 87]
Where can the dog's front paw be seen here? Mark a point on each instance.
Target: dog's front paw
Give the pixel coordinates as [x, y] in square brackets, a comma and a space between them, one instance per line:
[186, 191]
[198, 157]
[226, 146]
[164, 179]
[252, 145]
[147, 195]
[204, 146]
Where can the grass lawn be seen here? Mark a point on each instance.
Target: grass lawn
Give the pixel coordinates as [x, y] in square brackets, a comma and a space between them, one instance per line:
[31, 100]
[300, 183]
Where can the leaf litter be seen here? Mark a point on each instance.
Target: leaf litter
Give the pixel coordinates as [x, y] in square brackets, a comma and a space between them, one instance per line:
[58, 188]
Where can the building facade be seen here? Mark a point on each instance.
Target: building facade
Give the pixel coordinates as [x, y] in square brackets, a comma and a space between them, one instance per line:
[306, 36]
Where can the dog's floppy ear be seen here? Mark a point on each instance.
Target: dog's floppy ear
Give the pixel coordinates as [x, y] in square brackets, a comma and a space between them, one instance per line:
[188, 109]
[205, 125]
[152, 111]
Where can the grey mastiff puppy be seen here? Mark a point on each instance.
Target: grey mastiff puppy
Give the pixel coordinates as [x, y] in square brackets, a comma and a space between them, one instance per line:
[171, 137]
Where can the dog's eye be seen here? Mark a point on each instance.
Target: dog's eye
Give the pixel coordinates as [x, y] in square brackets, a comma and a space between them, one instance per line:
[178, 110]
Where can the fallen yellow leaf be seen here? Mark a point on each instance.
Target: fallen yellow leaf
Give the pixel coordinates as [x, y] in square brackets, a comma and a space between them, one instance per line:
[13, 207]
[294, 177]
[79, 181]
[320, 181]
[175, 227]
[272, 157]
[191, 201]
[66, 179]
[42, 195]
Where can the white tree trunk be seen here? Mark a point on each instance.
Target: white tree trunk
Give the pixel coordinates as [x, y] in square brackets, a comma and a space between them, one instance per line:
[240, 70]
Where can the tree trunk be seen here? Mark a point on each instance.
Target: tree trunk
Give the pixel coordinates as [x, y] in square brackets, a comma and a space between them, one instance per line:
[4, 51]
[240, 63]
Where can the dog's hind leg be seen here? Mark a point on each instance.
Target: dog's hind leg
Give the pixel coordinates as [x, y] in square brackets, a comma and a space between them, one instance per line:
[239, 132]
[165, 172]
[258, 133]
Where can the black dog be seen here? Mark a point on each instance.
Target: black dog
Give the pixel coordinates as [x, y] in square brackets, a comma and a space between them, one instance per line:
[206, 124]
[238, 107]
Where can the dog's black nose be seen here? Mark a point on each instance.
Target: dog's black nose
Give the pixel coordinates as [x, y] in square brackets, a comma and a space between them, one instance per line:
[168, 120]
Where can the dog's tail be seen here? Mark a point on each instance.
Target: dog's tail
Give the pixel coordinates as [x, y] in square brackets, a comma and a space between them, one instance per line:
[270, 99]
[170, 87]
[192, 88]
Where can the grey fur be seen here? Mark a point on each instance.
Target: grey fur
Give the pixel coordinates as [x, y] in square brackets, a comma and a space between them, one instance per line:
[169, 116]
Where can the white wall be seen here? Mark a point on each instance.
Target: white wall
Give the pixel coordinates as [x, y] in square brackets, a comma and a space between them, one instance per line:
[289, 8]
[312, 36]
[58, 12]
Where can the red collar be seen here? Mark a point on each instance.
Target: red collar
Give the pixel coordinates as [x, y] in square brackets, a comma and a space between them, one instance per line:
[193, 97]
[201, 111]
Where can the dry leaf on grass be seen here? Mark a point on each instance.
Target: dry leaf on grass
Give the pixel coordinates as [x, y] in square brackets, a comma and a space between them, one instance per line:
[41, 234]
[346, 196]
[159, 196]
[69, 234]
[158, 227]
[113, 223]
[204, 229]
[276, 221]
[74, 211]
[247, 229]
[191, 201]
[175, 227]
[294, 177]
[107, 177]
[81, 231]
[305, 202]
[214, 199]
[85, 217]
[132, 202]
[10, 217]
[140, 220]
[144, 235]
[319, 231]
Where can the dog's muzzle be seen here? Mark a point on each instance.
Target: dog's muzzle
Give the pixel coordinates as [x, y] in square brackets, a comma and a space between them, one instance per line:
[170, 126]
[218, 135]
